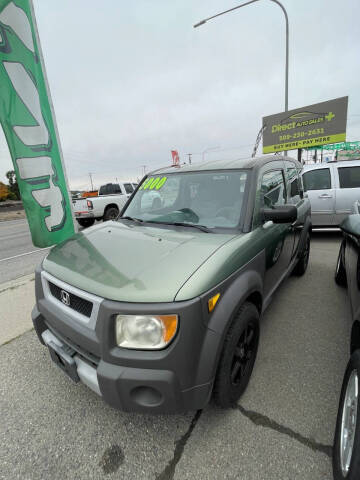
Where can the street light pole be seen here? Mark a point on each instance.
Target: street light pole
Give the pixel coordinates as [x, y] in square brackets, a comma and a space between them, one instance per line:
[287, 55]
[287, 40]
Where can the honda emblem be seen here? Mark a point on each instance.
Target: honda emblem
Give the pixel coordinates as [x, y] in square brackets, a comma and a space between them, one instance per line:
[65, 297]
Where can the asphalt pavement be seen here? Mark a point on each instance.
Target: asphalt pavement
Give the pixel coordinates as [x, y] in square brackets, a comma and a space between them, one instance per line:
[281, 429]
[18, 256]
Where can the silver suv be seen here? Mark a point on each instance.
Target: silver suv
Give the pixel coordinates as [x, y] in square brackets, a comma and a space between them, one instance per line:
[332, 188]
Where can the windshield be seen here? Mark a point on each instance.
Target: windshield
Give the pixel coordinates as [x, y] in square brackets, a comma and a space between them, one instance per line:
[210, 199]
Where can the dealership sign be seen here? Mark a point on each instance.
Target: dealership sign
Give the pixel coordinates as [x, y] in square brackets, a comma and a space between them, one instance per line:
[28, 122]
[306, 127]
[338, 146]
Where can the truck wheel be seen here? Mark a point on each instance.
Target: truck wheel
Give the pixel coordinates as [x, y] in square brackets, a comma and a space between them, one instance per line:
[86, 222]
[340, 272]
[346, 453]
[111, 213]
[302, 264]
[237, 357]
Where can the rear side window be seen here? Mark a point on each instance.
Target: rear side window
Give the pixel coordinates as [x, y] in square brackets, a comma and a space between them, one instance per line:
[128, 188]
[318, 179]
[293, 183]
[273, 188]
[349, 177]
[117, 188]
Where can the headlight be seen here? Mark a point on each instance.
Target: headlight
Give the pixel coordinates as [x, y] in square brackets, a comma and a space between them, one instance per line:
[150, 332]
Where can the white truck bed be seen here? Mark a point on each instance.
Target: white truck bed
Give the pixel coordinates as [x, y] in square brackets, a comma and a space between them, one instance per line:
[102, 207]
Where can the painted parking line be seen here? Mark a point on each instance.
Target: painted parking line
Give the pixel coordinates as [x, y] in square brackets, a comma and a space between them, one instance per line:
[23, 254]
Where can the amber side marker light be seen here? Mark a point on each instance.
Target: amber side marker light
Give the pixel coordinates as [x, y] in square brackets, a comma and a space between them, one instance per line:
[212, 302]
[170, 323]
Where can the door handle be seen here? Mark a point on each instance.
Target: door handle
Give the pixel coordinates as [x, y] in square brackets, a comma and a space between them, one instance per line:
[325, 195]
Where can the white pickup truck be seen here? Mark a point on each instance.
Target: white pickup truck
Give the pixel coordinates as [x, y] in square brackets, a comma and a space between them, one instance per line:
[106, 206]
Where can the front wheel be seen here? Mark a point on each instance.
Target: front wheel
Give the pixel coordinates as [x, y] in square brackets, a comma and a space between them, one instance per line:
[302, 264]
[346, 454]
[237, 357]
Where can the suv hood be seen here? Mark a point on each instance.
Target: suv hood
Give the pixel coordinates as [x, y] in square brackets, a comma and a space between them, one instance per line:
[132, 263]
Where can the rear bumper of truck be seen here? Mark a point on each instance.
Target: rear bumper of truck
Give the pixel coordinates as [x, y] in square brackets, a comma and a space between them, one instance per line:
[175, 379]
[84, 214]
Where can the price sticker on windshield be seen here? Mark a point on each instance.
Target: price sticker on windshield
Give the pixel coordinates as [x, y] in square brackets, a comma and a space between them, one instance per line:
[153, 183]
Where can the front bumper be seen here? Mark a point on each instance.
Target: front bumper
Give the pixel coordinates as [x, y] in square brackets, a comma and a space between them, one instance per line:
[166, 381]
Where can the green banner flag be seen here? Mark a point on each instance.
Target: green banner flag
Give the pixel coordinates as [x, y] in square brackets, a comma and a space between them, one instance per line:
[28, 121]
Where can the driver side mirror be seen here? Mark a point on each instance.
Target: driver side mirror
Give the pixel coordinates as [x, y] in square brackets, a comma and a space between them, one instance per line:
[280, 214]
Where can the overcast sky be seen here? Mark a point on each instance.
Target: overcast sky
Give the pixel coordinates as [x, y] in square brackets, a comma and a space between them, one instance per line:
[132, 80]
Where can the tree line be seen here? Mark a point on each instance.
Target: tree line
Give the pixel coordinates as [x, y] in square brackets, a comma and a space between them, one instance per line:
[10, 191]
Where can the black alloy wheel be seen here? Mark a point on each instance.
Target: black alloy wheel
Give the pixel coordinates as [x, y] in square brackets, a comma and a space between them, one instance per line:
[237, 357]
[244, 352]
[303, 262]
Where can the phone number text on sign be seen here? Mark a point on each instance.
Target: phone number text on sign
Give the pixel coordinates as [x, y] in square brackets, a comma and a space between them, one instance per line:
[294, 136]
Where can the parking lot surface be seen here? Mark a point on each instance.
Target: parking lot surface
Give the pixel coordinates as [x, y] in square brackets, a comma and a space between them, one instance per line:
[281, 429]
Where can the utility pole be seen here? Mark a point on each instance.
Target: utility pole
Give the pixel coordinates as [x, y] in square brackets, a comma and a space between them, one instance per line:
[143, 170]
[300, 155]
[92, 186]
[189, 155]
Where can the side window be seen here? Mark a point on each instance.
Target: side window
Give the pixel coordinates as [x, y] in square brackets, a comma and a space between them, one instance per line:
[273, 190]
[293, 183]
[116, 188]
[128, 188]
[349, 177]
[318, 179]
[105, 189]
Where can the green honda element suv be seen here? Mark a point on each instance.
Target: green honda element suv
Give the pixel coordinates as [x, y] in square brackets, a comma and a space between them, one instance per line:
[160, 309]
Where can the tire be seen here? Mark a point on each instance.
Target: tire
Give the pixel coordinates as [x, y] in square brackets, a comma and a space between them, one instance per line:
[303, 262]
[237, 357]
[347, 465]
[340, 272]
[111, 213]
[86, 222]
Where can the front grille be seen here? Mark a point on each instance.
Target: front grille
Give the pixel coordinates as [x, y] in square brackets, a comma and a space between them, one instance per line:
[78, 304]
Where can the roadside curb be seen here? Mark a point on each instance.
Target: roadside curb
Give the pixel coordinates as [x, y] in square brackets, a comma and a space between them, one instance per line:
[17, 298]
[18, 282]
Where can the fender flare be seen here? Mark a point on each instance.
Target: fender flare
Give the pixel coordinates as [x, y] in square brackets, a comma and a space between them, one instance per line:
[248, 284]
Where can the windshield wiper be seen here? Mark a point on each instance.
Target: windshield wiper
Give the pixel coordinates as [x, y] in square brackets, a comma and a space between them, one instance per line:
[132, 218]
[203, 228]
